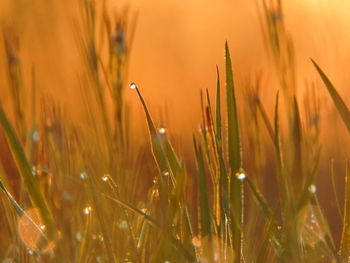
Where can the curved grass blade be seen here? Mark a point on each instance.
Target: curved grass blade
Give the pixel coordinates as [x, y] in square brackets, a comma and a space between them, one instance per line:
[157, 148]
[31, 184]
[338, 101]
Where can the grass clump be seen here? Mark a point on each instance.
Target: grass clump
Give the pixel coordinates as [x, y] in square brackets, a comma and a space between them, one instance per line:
[102, 198]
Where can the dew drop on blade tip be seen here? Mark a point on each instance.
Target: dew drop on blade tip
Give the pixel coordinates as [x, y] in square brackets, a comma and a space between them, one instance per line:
[162, 130]
[133, 85]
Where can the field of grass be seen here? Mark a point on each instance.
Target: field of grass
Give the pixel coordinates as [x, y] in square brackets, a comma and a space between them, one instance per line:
[82, 191]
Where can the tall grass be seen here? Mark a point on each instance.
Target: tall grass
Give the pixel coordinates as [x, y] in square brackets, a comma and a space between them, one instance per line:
[99, 198]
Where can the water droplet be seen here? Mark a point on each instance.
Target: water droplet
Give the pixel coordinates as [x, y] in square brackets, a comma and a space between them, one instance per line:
[35, 136]
[133, 85]
[87, 210]
[196, 242]
[166, 261]
[312, 188]
[78, 236]
[162, 130]
[100, 238]
[30, 252]
[241, 176]
[166, 173]
[105, 178]
[42, 227]
[123, 225]
[83, 175]
[279, 228]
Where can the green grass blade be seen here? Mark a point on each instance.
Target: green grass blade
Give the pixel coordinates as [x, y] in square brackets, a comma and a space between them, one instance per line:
[338, 101]
[157, 148]
[203, 191]
[234, 144]
[218, 108]
[29, 180]
[235, 159]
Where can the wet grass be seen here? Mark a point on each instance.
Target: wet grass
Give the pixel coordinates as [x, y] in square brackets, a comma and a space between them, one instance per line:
[101, 198]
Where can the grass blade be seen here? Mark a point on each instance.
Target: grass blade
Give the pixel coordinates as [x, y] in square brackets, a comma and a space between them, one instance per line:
[235, 159]
[218, 108]
[338, 101]
[345, 240]
[203, 192]
[30, 182]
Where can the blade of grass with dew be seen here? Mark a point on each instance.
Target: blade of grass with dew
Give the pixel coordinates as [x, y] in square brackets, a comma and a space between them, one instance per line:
[157, 148]
[203, 192]
[223, 180]
[345, 239]
[338, 101]
[30, 182]
[235, 159]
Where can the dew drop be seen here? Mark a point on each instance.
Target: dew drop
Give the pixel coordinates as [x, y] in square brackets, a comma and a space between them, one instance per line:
[241, 176]
[166, 173]
[87, 210]
[83, 175]
[162, 130]
[105, 178]
[133, 85]
[35, 136]
[312, 188]
[42, 227]
[30, 252]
